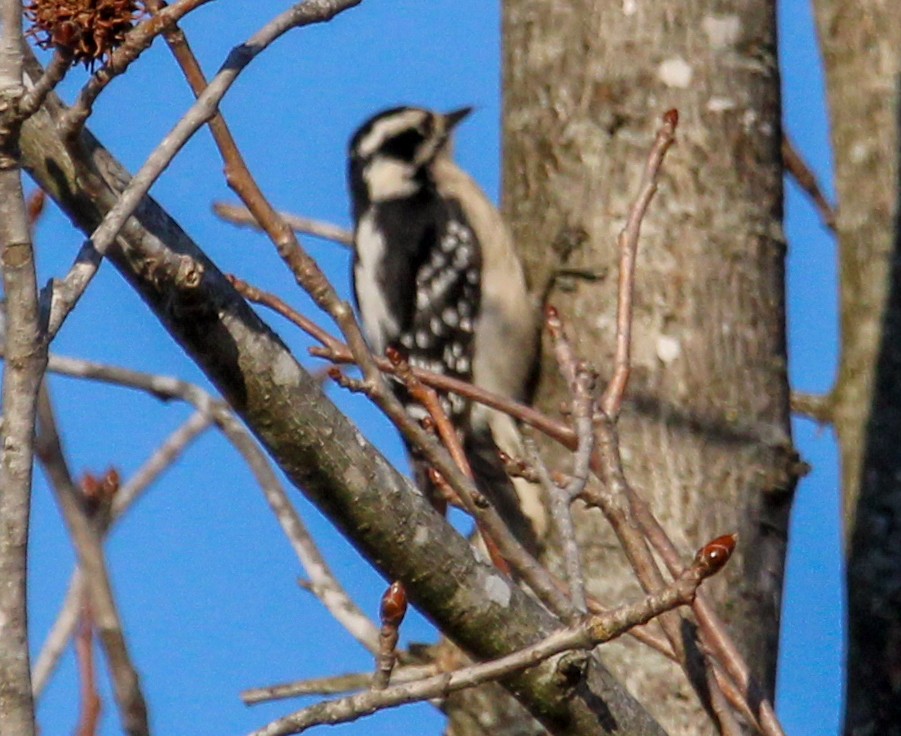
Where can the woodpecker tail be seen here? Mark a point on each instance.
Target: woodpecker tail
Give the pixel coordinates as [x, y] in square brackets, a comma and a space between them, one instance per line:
[483, 452]
[516, 500]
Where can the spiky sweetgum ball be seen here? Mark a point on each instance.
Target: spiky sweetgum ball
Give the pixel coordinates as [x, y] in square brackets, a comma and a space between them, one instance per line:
[88, 29]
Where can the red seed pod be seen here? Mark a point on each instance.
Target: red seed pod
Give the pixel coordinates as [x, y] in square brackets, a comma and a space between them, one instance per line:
[87, 29]
[671, 117]
[716, 553]
[394, 605]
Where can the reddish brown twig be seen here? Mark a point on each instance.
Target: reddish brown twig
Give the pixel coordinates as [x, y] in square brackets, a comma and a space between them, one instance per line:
[90, 705]
[136, 41]
[338, 352]
[800, 171]
[612, 400]
[450, 438]
[586, 634]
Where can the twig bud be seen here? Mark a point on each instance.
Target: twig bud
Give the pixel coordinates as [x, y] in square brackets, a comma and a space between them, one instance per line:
[394, 605]
[713, 556]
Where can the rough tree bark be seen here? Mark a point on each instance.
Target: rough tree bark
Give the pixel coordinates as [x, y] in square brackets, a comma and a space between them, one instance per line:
[861, 44]
[706, 430]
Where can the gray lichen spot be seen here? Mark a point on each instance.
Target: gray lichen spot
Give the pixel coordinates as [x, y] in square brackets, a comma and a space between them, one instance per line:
[354, 478]
[421, 535]
[284, 370]
[498, 590]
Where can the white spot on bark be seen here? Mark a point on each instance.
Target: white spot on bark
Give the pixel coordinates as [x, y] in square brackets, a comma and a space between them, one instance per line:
[630, 7]
[668, 349]
[749, 119]
[284, 370]
[354, 478]
[859, 152]
[720, 104]
[675, 72]
[497, 590]
[421, 535]
[722, 30]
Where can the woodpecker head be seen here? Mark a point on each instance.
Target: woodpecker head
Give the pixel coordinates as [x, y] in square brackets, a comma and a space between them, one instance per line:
[391, 153]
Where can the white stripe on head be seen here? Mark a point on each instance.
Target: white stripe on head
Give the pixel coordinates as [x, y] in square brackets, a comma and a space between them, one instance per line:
[388, 127]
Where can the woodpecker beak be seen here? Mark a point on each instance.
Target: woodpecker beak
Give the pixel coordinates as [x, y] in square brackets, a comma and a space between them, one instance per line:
[453, 118]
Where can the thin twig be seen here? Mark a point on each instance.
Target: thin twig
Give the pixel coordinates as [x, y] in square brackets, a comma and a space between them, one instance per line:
[136, 42]
[90, 705]
[818, 407]
[302, 225]
[561, 514]
[60, 635]
[59, 64]
[66, 620]
[714, 633]
[612, 400]
[334, 685]
[323, 582]
[205, 107]
[798, 168]
[86, 537]
[586, 634]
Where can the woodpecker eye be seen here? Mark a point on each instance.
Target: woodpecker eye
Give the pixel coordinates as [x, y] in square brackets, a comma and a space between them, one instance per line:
[404, 145]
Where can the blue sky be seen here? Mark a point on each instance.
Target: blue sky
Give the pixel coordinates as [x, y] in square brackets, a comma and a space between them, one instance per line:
[204, 578]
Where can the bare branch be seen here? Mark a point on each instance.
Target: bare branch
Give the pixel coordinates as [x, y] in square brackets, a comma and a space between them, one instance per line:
[301, 14]
[67, 619]
[90, 705]
[21, 379]
[334, 685]
[302, 225]
[586, 634]
[612, 400]
[60, 634]
[52, 76]
[800, 171]
[86, 535]
[562, 515]
[818, 407]
[136, 42]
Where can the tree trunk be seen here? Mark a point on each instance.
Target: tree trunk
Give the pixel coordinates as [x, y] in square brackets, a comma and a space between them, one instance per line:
[861, 43]
[706, 427]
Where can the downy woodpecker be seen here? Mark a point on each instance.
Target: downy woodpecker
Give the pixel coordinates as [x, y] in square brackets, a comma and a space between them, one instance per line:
[436, 276]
